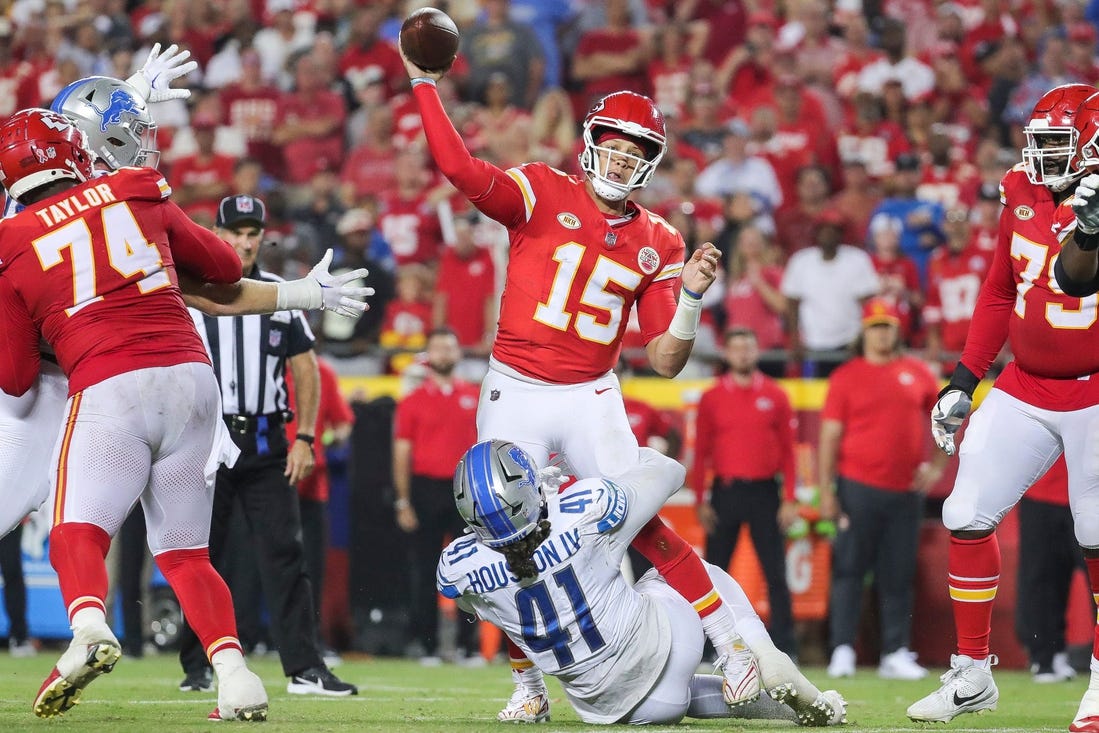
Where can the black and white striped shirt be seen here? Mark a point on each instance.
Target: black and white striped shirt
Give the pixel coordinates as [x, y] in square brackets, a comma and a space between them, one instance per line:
[249, 354]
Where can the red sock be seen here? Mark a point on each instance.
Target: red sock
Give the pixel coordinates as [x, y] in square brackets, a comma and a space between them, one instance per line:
[974, 574]
[1093, 581]
[203, 595]
[77, 552]
[680, 565]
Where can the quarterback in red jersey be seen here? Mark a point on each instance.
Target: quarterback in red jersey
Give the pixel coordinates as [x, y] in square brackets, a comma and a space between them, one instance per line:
[1044, 403]
[581, 255]
[88, 267]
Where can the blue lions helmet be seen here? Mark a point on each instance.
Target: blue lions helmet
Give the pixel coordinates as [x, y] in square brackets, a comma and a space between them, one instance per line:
[114, 116]
[497, 492]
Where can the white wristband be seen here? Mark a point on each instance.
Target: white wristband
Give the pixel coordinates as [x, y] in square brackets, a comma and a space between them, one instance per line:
[684, 325]
[303, 294]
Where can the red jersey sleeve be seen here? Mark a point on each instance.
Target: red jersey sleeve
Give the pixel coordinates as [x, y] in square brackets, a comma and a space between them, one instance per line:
[988, 329]
[19, 359]
[704, 445]
[487, 187]
[787, 427]
[199, 251]
[656, 305]
[835, 404]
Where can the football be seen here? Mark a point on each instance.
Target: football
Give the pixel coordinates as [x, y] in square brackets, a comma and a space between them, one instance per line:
[429, 39]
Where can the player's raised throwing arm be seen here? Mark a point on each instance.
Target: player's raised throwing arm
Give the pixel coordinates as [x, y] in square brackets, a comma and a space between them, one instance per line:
[487, 187]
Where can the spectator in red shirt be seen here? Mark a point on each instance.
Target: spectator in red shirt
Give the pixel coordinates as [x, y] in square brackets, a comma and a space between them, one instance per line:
[251, 106]
[409, 217]
[433, 426]
[369, 168]
[310, 129]
[753, 295]
[613, 57]
[745, 439]
[897, 273]
[408, 317]
[334, 422]
[873, 478]
[465, 291]
[1048, 557]
[203, 179]
[366, 54]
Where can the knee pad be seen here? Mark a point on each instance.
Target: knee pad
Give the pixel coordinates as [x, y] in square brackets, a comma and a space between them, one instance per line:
[1085, 518]
[960, 512]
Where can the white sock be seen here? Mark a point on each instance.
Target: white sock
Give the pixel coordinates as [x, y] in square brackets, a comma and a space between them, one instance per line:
[226, 660]
[530, 677]
[89, 620]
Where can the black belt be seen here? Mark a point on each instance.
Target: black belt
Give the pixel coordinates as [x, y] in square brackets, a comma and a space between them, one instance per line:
[251, 423]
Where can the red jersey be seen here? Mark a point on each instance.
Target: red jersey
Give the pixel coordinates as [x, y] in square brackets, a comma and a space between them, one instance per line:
[1053, 335]
[440, 423]
[406, 324]
[369, 171]
[307, 155]
[744, 306]
[467, 285]
[953, 281]
[254, 112]
[950, 185]
[745, 433]
[193, 171]
[358, 64]
[883, 408]
[91, 269]
[572, 275]
[334, 411]
[411, 227]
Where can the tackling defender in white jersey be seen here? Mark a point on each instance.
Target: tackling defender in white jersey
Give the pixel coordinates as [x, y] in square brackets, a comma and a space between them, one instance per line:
[114, 116]
[547, 573]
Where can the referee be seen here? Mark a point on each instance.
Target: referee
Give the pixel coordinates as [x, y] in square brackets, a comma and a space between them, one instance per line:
[250, 355]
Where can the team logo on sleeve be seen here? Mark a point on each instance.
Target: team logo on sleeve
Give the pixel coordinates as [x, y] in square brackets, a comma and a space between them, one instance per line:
[648, 260]
[1023, 212]
[569, 221]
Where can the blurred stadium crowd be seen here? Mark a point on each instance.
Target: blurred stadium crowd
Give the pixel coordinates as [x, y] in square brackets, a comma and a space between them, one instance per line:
[887, 125]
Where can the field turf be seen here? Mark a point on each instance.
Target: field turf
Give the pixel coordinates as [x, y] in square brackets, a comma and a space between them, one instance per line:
[141, 696]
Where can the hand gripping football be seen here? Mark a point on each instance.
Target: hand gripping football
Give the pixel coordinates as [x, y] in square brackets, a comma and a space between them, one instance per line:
[429, 39]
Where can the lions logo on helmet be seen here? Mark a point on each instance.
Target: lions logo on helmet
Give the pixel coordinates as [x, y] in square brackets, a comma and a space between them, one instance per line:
[119, 103]
[497, 492]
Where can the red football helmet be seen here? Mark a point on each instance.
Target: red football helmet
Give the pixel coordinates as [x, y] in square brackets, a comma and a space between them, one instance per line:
[634, 116]
[1087, 135]
[1051, 137]
[38, 146]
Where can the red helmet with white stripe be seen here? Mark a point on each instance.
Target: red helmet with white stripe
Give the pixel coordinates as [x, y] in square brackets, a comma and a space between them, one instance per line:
[634, 117]
[1051, 137]
[1087, 135]
[37, 147]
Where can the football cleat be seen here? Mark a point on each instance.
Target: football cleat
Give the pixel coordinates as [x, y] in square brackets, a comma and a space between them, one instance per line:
[240, 697]
[1087, 717]
[967, 688]
[740, 677]
[842, 663]
[527, 705]
[81, 663]
[828, 708]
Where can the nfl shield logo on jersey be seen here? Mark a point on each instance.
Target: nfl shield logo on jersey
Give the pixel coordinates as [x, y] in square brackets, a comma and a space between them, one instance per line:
[611, 240]
[494, 395]
[274, 338]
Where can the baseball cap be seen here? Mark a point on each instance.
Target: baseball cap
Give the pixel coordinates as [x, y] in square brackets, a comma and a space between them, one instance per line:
[879, 311]
[236, 210]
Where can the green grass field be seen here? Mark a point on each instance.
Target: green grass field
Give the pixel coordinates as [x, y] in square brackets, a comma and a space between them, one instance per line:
[141, 696]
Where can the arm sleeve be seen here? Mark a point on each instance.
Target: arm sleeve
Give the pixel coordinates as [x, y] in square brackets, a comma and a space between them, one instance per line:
[199, 251]
[835, 407]
[1075, 288]
[787, 427]
[656, 308]
[487, 187]
[19, 359]
[988, 329]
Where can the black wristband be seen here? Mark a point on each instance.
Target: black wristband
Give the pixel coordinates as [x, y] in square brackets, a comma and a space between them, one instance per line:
[962, 379]
[305, 438]
[1086, 242]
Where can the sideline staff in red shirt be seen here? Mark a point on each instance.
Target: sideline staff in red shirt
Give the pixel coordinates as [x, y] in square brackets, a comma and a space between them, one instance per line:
[872, 446]
[433, 426]
[745, 437]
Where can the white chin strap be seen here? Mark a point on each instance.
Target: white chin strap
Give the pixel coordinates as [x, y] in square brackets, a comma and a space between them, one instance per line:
[608, 190]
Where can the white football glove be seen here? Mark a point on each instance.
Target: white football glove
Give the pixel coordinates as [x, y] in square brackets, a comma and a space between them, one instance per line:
[947, 416]
[160, 70]
[338, 294]
[552, 478]
[1085, 204]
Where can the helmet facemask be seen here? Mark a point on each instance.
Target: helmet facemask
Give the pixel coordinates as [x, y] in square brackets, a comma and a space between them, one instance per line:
[597, 160]
[1049, 154]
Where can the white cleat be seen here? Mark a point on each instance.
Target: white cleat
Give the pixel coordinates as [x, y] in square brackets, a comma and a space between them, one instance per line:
[967, 688]
[1062, 668]
[1087, 717]
[829, 707]
[740, 677]
[527, 705]
[901, 665]
[241, 697]
[89, 655]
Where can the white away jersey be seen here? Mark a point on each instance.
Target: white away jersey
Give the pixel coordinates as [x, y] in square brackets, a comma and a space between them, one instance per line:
[579, 620]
